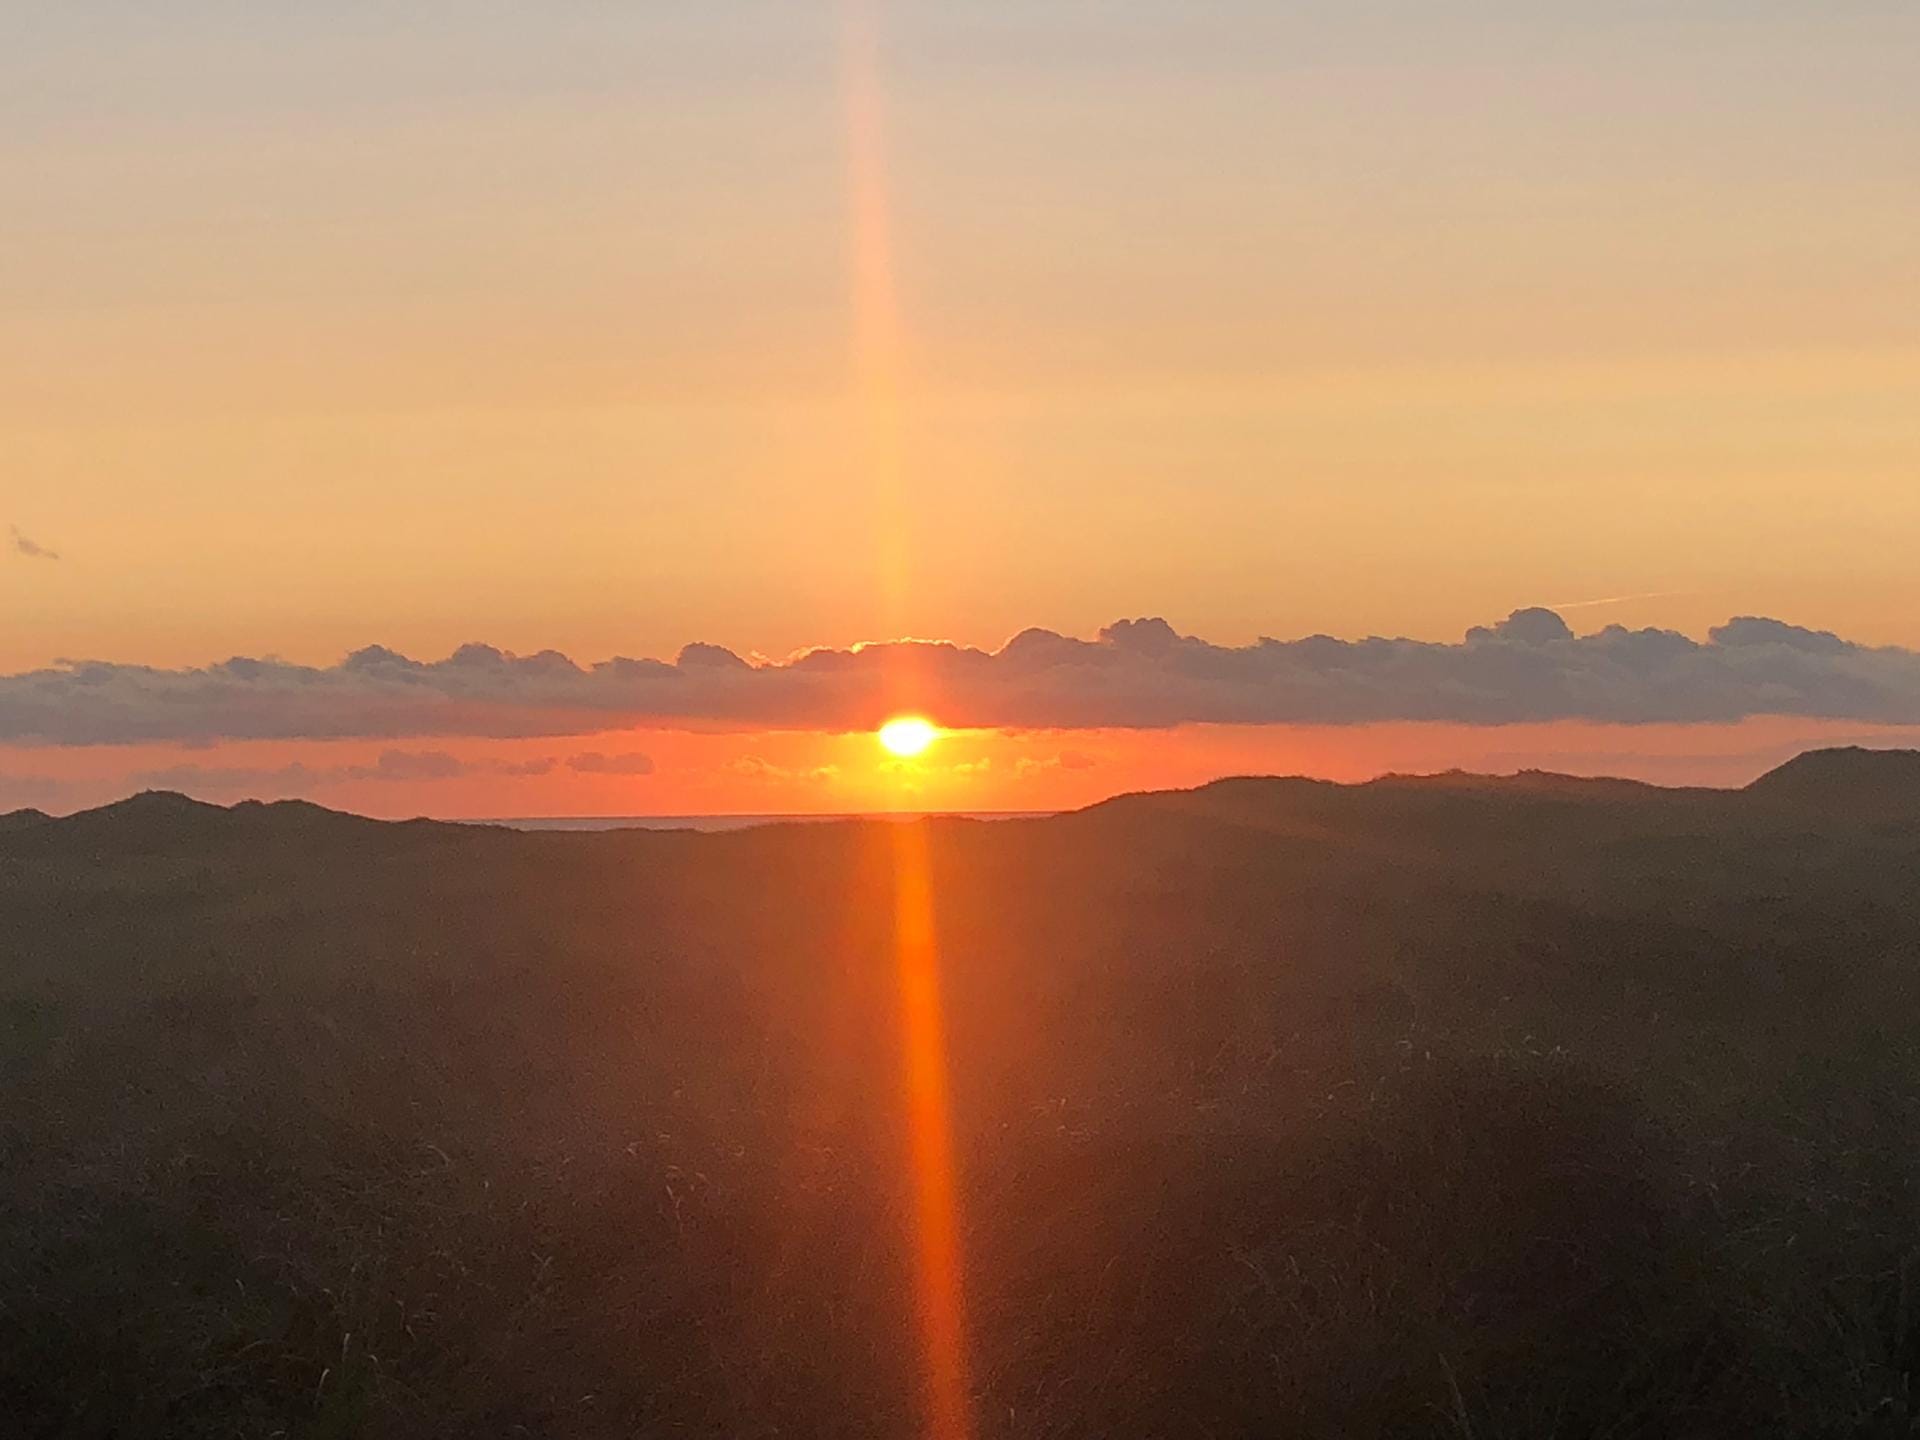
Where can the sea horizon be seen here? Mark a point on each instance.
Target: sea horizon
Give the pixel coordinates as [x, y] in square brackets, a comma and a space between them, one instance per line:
[724, 822]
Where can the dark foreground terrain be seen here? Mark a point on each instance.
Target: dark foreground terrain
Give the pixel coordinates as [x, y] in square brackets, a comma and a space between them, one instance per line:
[1491, 1108]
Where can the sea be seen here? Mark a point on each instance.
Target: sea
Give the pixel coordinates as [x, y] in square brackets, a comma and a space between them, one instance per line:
[715, 823]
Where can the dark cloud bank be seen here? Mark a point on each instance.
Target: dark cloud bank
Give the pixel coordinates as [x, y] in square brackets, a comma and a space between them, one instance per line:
[1137, 674]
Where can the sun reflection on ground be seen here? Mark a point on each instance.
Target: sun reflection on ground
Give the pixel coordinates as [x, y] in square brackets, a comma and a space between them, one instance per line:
[930, 1136]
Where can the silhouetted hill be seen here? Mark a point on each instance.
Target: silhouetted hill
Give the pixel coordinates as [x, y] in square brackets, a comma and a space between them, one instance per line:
[166, 813]
[152, 807]
[1433, 818]
[1847, 783]
[1426, 1107]
[150, 819]
[21, 819]
[158, 823]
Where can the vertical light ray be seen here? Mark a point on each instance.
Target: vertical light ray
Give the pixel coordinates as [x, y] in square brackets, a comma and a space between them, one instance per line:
[880, 396]
[940, 1298]
[877, 361]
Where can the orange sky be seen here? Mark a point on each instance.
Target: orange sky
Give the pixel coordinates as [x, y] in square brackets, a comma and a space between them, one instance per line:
[795, 772]
[778, 326]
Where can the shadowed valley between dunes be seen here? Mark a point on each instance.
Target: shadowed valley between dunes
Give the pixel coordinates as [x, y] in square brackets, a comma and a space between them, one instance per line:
[1446, 1106]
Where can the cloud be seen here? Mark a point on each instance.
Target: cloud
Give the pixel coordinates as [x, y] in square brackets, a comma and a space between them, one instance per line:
[409, 765]
[594, 763]
[400, 766]
[753, 767]
[1029, 765]
[284, 780]
[1137, 674]
[525, 768]
[32, 549]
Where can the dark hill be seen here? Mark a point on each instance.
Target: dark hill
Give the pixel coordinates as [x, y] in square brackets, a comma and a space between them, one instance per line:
[1428, 1107]
[153, 819]
[1847, 783]
[157, 825]
[152, 807]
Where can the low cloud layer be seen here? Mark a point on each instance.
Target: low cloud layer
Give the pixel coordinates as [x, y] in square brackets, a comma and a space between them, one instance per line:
[594, 763]
[1137, 674]
[401, 766]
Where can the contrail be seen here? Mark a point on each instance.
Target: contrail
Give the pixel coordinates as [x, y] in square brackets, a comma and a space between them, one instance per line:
[1618, 599]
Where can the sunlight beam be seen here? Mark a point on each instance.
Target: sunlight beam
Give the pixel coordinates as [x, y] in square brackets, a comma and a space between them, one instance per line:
[878, 376]
[876, 318]
[938, 1265]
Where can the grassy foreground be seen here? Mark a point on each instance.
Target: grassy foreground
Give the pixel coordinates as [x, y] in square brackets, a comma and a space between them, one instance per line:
[1447, 1107]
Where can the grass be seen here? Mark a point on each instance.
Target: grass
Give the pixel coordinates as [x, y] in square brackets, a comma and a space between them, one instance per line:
[1459, 1109]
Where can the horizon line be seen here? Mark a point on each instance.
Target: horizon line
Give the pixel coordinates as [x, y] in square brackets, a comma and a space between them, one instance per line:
[742, 818]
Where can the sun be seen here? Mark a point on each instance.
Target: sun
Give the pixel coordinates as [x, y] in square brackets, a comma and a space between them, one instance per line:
[907, 735]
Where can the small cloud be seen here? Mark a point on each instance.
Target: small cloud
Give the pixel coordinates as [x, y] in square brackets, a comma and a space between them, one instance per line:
[31, 548]
[1754, 630]
[752, 767]
[410, 765]
[221, 782]
[1535, 625]
[298, 778]
[1066, 760]
[592, 762]
[543, 765]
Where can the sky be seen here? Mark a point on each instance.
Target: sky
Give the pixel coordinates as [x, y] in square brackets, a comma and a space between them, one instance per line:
[608, 330]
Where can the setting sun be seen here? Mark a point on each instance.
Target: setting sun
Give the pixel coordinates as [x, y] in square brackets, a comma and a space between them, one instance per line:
[908, 735]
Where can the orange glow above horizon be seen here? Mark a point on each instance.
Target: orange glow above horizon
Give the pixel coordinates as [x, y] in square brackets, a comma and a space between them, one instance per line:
[665, 773]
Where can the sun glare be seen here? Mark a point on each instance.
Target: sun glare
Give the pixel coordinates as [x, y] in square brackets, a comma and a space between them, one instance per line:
[907, 736]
